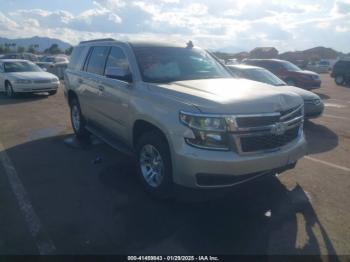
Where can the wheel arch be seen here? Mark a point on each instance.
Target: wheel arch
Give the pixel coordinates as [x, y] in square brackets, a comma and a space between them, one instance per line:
[142, 126]
[71, 95]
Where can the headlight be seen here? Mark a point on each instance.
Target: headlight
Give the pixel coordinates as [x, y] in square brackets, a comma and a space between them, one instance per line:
[315, 102]
[22, 81]
[54, 80]
[208, 132]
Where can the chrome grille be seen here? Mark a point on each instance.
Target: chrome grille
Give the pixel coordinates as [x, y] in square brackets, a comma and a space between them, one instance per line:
[268, 142]
[42, 81]
[266, 132]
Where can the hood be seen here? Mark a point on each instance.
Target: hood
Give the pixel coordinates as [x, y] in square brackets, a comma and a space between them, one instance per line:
[31, 75]
[306, 95]
[229, 96]
[307, 72]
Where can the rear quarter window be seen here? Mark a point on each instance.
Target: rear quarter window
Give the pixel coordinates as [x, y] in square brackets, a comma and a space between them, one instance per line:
[77, 58]
[97, 60]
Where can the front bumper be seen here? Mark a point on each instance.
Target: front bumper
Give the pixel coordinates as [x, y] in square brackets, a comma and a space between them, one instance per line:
[190, 163]
[310, 84]
[312, 110]
[35, 88]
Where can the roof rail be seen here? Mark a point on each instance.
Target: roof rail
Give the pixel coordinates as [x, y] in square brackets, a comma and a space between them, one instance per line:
[97, 40]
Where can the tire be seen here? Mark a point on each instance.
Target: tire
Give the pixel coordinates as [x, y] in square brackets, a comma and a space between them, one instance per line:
[339, 80]
[9, 90]
[77, 120]
[290, 82]
[51, 93]
[154, 164]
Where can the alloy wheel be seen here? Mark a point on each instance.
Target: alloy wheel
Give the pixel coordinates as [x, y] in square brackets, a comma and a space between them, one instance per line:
[152, 166]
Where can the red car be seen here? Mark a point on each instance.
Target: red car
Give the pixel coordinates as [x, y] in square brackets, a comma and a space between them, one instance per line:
[290, 73]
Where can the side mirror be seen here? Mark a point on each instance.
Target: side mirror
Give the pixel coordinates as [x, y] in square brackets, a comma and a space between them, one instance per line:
[119, 73]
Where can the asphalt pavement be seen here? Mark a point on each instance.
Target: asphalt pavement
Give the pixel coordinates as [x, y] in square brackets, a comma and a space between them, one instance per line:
[58, 196]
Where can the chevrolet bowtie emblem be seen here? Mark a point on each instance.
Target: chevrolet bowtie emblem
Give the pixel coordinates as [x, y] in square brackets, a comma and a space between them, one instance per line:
[278, 129]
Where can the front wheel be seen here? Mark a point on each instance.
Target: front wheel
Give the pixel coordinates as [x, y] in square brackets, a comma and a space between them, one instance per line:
[154, 164]
[339, 80]
[9, 90]
[77, 119]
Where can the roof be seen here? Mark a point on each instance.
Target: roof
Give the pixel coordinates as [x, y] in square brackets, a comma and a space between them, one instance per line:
[156, 44]
[13, 60]
[136, 43]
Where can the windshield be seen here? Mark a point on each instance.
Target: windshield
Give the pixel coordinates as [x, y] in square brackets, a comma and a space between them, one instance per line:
[168, 64]
[48, 59]
[263, 76]
[11, 67]
[290, 67]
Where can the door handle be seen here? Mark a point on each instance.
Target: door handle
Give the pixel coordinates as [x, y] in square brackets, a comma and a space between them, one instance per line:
[80, 81]
[101, 88]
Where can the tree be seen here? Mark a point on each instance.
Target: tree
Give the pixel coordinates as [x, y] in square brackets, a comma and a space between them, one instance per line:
[69, 50]
[53, 49]
[21, 49]
[31, 49]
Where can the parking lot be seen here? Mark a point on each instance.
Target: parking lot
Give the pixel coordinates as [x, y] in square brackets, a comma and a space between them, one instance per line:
[60, 197]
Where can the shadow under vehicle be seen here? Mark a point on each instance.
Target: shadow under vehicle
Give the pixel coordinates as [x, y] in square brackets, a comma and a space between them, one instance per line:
[97, 207]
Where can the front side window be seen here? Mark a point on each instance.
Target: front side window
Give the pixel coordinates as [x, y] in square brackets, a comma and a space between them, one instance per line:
[117, 59]
[168, 64]
[97, 60]
[19, 66]
[290, 67]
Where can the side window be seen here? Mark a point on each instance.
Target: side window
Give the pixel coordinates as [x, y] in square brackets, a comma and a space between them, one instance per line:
[77, 58]
[271, 66]
[117, 58]
[1, 68]
[97, 60]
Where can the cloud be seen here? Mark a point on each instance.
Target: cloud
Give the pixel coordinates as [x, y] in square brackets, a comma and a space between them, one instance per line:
[285, 24]
[342, 7]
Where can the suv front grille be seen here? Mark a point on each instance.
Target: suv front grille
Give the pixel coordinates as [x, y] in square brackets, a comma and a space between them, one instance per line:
[268, 142]
[257, 121]
[266, 132]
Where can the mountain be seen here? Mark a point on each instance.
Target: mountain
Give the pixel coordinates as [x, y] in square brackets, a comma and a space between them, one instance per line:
[42, 42]
[315, 53]
[229, 50]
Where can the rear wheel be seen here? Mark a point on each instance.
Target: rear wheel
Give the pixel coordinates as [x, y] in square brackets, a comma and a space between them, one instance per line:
[154, 164]
[9, 90]
[77, 119]
[339, 80]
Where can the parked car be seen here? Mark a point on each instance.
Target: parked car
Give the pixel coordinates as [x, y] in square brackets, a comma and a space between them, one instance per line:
[320, 67]
[182, 114]
[313, 104]
[25, 56]
[22, 76]
[288, 72]
[58, 69]
[47, 61]
[341, 72]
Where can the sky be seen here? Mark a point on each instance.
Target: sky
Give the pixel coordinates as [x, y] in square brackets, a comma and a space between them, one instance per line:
[288, 25]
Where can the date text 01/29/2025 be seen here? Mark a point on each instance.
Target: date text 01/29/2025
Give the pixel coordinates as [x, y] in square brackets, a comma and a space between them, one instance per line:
[173, 258]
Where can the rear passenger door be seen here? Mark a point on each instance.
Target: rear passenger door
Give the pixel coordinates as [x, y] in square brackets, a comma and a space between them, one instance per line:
[114, 102]
[91, 84]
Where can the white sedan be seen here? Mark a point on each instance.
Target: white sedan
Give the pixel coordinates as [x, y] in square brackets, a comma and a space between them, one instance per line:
[22, 76]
